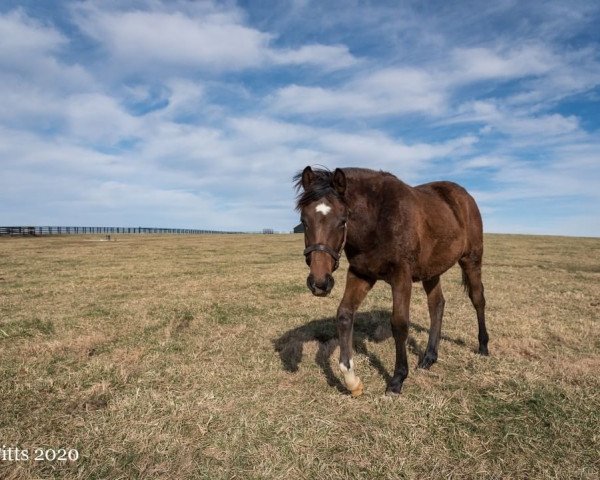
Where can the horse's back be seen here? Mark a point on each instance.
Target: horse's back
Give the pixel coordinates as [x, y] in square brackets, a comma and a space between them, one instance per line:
[429, 227]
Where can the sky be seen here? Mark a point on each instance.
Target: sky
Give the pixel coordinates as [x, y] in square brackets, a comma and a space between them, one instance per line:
[197, 114]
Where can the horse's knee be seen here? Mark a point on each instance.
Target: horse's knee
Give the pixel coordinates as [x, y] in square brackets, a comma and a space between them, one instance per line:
[400, 329]
[344, 319]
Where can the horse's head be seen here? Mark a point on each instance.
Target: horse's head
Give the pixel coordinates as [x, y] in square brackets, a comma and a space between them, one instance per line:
[324, 215]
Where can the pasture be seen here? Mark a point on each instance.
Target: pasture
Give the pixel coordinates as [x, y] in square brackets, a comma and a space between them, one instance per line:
[207, 357]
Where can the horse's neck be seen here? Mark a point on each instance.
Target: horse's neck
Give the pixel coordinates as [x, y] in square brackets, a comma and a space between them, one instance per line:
[362, 219]
[367, 195]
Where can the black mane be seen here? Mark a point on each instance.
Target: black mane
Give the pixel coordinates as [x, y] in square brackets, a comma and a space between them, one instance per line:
[322, 186]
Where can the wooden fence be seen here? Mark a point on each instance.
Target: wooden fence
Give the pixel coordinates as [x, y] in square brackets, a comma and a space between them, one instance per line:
[39, 231]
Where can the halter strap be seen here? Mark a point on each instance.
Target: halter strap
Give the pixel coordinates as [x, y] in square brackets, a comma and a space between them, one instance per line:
[321, 247]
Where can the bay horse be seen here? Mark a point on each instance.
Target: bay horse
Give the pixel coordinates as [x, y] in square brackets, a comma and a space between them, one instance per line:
[393, 232]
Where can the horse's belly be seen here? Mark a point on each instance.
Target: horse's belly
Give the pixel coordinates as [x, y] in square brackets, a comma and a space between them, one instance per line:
[382, 264]
[425, 273]
[443, 255]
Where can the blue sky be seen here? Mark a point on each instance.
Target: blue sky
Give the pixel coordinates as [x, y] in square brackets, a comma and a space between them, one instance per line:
[197, 114]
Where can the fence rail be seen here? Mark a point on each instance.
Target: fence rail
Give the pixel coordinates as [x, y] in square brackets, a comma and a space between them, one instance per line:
[39, 231]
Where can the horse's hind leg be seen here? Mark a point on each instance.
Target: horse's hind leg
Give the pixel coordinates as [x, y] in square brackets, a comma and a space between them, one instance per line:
[471, 268]
[435, 302]
[401, 290]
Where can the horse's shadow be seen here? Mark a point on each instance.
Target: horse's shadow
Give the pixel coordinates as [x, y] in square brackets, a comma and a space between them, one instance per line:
[373, 326]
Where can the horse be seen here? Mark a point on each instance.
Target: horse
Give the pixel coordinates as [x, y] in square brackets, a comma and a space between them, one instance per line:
[393, 232]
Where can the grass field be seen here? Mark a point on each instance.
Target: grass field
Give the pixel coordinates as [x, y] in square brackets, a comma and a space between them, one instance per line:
[207, 357]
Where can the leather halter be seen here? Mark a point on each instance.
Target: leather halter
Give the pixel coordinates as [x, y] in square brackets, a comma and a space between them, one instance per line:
[321, 247]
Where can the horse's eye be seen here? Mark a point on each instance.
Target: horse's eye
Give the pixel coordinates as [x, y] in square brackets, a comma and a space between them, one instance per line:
[343, 223]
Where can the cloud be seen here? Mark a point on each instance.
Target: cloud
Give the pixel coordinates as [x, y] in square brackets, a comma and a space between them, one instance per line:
[99, 119]
[160, 39]
[477, 64]
[522, 124]
[349, 149]
[185, 96]
[482, 162]
[403, 159]
[578, 71]
[33, 81]
[213, 39]
[23, 36]
[384, 92]
[53, 157]
[329, 57]
[569, 173]
[435, 89]
[401, 91]
[29, 47]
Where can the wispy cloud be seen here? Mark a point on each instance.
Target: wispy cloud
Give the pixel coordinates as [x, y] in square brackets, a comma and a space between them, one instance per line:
[157, 39]
[521, 124]
[478, 64]
[22, 35]
[213, 38]
[382, 93]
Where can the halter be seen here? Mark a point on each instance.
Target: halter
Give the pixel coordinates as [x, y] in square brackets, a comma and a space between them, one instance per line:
[321, 247]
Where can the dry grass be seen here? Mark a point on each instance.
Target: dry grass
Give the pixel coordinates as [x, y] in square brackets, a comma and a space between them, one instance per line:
[207, 357]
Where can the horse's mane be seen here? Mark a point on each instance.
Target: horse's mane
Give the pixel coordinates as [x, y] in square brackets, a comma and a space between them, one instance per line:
[322, 186]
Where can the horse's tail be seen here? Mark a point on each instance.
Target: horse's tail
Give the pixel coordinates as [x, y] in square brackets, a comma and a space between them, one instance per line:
[466, 284]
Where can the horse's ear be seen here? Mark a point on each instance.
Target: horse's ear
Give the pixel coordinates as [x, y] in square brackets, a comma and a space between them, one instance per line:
[339, 181]
[308, 177]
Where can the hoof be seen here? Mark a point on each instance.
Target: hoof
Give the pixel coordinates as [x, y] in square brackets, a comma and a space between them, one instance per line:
[358, 391]
[394, 390]
[427, 362]
[483, 351]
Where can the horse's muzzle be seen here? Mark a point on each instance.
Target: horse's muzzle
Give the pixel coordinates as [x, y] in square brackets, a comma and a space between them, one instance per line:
[321, 287]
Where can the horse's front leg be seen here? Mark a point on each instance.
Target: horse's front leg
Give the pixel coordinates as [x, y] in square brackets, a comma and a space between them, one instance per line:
[401, 290]
[356, 291]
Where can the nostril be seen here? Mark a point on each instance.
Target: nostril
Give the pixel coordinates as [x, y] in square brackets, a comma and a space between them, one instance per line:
[320, 286]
